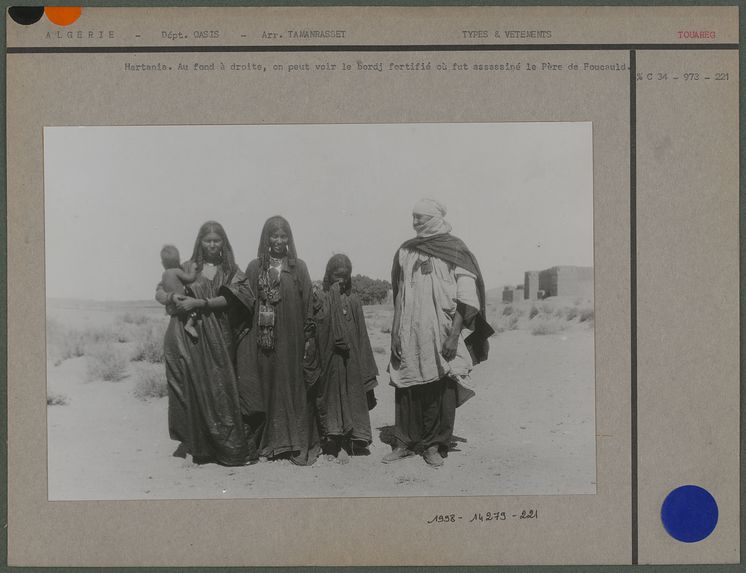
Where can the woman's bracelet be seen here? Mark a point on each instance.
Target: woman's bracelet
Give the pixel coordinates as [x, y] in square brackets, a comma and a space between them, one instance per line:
[207, 304]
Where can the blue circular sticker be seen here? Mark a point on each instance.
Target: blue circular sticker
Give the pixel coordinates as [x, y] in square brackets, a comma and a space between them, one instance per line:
[689, 513]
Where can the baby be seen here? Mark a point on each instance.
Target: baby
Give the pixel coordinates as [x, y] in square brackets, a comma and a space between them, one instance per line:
[175, 280]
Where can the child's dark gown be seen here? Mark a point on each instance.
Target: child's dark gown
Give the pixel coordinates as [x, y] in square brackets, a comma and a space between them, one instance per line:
[346, 367]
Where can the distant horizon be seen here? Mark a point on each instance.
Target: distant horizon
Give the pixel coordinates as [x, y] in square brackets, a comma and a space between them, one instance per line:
[156, 303]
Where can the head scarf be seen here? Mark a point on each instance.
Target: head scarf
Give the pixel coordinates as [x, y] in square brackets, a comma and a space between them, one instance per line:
[339, 310]
[435, 225]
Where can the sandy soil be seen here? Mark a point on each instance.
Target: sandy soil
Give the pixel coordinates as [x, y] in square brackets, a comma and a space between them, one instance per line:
[529, 430]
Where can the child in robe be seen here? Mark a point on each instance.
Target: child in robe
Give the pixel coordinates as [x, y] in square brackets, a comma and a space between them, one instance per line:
[345, 364]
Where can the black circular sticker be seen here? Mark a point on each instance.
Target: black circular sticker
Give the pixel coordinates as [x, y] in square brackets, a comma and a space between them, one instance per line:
[26, 15]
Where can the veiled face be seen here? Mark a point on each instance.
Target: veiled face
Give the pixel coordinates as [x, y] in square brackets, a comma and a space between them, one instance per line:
[418, 220]
[278, 242]
[212, 245]
[340, 274]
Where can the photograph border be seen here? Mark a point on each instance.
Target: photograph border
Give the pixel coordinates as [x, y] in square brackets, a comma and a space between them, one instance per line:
[556, 213]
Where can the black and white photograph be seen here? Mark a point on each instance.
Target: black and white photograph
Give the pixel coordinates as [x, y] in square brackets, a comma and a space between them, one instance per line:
[305, 311]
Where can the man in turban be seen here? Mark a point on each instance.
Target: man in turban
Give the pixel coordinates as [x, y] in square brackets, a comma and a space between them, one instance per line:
[438, 292]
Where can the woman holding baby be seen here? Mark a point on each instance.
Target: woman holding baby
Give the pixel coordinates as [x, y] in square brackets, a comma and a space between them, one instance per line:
[261, 322]
[204, 412]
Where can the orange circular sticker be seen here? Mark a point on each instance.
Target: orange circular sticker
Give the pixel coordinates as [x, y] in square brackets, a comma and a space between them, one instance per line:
[62, 15]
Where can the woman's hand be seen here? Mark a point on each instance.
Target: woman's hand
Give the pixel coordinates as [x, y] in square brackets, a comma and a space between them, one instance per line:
[396, 345]
[186, 303]
[450, 344]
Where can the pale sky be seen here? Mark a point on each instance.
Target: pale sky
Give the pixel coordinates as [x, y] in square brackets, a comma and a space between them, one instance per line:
[519, 194]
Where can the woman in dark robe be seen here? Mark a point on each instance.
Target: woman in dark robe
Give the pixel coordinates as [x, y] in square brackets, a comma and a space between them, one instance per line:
[204, 413]
[275, 400]
[345, 363]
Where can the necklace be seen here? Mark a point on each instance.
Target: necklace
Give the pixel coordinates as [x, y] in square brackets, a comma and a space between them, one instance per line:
[275, 261]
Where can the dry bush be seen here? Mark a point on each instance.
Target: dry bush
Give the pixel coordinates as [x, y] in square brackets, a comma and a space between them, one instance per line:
[586, 315]
[503, 323]
[572, 312]
[533, 312]
[547, 326]
[508, 310]
[130, 325]
[136, 318]
[96, 335]
[56, 399]
[151, 381]
[106, 362]
[64, 343]
[149, 346]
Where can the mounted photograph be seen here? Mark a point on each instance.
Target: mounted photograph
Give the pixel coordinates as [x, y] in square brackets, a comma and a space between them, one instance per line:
[310, 311]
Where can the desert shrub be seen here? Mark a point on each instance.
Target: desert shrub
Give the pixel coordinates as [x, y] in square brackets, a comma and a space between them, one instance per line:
[149, 346]
[542, 327]
[64, 343]
[71, 346]
[559, 313]
[547, 308]
[533, 312]
[508, 310]
[503, 323]
[586, 314]
[99, 335]
[56, 399]
[106, 362]
[136, 318]
[151, 382]
[123, 336]
[572, 312]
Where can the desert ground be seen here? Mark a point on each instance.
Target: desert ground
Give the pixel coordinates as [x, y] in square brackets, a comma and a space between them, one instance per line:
[530, 430]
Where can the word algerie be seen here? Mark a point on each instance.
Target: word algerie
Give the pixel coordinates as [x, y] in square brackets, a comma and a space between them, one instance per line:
[80, 35]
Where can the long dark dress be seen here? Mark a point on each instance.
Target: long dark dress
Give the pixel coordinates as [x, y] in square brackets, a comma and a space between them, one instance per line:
[347, 366]
[275, 401]
[203, 403]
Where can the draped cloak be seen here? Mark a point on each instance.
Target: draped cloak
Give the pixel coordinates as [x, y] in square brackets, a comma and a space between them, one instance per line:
[454, 251]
